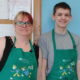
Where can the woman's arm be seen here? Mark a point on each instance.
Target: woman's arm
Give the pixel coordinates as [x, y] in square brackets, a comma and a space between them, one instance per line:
[39, 66]
[2, 46]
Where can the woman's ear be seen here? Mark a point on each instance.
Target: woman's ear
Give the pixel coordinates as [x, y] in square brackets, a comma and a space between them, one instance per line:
[14, 25]
[32, 28]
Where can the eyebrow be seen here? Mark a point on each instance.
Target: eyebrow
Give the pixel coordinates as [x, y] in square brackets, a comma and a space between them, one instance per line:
[64, 13]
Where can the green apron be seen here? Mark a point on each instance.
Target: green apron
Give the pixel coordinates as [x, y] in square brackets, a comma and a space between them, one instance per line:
[20, 65]
[64, 66]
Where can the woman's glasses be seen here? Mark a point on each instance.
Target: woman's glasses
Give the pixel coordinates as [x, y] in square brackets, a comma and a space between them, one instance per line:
[20, 24]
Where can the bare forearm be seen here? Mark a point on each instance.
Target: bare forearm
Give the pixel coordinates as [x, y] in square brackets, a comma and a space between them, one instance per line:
[44, 76]
[78, 74]
[44, 67]
[39, 76]
[78, 69]
[39, 73]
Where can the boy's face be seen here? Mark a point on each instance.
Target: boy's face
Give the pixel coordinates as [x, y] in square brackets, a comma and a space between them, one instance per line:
[62, 17]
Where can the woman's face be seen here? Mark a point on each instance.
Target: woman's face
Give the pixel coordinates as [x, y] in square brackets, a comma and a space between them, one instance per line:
[23, 27]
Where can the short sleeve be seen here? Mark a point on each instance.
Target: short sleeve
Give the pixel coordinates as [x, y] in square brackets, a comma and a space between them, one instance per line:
[43, 45]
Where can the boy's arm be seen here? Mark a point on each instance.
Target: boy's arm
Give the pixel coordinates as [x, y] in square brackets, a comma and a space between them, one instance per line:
[78, 69]
[44, 49]
[39, 72]
[78, 59]
[44, 66]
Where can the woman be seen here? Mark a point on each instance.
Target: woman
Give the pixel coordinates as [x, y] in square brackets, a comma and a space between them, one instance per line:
[18, 57]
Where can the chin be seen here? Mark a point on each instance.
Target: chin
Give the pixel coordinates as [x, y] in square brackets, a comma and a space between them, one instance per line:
[24, 34]
[63, 26]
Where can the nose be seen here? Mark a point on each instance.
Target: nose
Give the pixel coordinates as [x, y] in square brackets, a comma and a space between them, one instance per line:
[24, 25]
[63, 17]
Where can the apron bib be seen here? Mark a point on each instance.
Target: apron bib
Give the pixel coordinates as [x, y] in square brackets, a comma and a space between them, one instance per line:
[20, 65]
[64, 66]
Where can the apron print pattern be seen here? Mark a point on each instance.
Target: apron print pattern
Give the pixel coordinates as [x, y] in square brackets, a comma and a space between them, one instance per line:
[69, 68]
[22, 71]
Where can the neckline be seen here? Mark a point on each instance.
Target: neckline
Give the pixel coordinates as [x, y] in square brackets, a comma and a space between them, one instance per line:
[32, 49]
[60, 34]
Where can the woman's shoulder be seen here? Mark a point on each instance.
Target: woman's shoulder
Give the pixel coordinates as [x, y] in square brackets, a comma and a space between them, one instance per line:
[2, 45]
[2, 41]
[2, 38]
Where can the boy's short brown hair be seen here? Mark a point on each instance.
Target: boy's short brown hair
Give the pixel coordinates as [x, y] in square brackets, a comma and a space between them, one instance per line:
[61, 5]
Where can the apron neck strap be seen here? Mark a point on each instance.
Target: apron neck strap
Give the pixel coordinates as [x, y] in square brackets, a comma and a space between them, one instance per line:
[74, 45]
[53, 39]
[14, 40]
[29, 42]
[31, 45]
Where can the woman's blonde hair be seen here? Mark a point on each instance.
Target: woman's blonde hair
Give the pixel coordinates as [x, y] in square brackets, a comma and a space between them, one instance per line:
[23, 13]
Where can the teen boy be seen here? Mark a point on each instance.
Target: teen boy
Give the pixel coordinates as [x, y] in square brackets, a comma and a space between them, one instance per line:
[60, 48]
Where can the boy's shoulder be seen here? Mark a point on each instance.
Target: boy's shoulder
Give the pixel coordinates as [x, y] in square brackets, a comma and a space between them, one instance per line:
[75, 35]
[46, 35]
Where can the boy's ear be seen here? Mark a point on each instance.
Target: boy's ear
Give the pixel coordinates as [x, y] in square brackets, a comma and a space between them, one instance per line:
[53, 16]
[70, 17]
